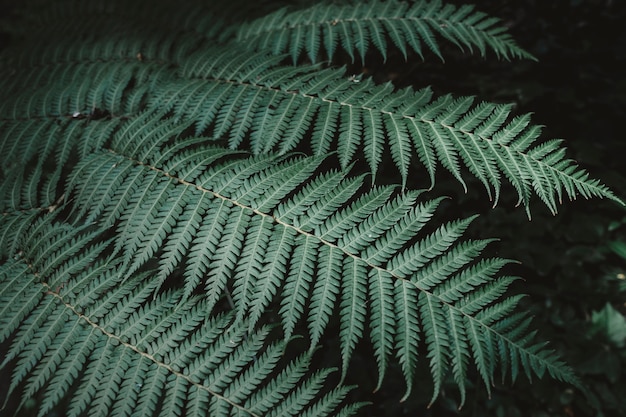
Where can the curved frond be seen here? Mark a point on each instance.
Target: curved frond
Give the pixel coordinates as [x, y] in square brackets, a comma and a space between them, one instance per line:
[278, 107]
[267, 229]
[358, 27]
[61, 105]
[128, 350]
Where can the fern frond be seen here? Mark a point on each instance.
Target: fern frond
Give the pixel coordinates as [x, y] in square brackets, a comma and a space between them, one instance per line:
[358, 26]
[283, 105]
[75, 322]
[97, 85]
[57, 107]
[141, 262]
[313, 244]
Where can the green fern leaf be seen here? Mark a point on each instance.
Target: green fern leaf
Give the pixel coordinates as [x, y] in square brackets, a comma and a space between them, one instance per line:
[357, 26]
[455, 133]
[344, 254]
[117, 346]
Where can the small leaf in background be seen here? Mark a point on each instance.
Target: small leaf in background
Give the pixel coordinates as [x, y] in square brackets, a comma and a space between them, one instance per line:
[619, 248]
[612, 323]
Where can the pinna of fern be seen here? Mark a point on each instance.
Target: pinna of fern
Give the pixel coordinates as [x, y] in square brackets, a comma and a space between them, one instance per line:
[358, 26]
[277, 107]
[121, 349]
[315, 244]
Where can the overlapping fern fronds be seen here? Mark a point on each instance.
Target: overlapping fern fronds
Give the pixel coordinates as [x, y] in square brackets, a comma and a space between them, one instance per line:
[121, 349]
[266, 230]
[141, 261]
[254, 99]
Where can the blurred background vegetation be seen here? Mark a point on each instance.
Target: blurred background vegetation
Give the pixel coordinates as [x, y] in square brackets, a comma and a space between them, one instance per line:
[573, 265]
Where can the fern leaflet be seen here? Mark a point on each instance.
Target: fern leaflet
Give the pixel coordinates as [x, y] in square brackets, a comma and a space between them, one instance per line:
[357, 26]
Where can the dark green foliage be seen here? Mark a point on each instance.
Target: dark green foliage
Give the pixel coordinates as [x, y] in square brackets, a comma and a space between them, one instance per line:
[127, 350]
[165, 252]
[359, 26]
